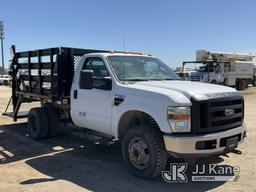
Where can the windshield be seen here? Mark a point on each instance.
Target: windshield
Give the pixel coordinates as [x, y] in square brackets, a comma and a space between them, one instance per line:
[211, 68]
[137, 68]
[205, 68]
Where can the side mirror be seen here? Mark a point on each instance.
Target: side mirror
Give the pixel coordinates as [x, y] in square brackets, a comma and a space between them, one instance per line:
[86, 80]
[104, 83]
[108, 85]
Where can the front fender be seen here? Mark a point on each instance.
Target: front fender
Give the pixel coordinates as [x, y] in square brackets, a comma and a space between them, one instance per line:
[159, 114]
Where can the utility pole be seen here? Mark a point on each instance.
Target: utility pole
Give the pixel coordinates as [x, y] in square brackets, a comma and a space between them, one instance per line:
[2, 43]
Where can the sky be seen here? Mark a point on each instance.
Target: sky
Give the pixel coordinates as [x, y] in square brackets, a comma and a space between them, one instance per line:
[171, 30]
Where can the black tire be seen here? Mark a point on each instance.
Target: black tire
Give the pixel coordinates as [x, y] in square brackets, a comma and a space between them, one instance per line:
[214, 82]
[225, 82]
[237, 86]
[246, 84]
[37, 123]
[241, 85]
[53, 121]
[156, 149]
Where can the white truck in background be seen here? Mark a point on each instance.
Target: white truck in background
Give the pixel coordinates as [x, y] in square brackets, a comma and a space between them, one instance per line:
[128, 97]
[230, 69]
[5, 79]
[254, 76]
[184, 73]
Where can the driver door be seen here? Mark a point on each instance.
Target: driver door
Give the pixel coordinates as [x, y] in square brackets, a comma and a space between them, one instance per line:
[93, 106]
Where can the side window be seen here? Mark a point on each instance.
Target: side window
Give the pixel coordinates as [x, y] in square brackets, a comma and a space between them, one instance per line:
[99, 71]
[227, 67]
[97, 65]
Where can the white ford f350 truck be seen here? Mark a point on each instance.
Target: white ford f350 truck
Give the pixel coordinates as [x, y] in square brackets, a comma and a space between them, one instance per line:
[129, 97]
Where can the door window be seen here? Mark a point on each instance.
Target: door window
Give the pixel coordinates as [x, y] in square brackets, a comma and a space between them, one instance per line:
[99, 69]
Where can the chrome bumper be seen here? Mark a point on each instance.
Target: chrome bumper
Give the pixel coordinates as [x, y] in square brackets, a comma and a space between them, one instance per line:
[186, 145]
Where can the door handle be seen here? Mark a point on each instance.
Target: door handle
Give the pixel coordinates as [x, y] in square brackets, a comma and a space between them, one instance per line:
[75, 94]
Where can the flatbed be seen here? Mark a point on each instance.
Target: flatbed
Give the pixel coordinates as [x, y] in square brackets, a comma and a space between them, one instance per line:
[43, 75]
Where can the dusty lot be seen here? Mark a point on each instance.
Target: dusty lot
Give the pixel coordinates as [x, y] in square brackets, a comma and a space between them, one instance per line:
[70, 163]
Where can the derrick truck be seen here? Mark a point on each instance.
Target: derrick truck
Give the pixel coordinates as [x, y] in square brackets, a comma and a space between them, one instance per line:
[128, 97]
[230, 69]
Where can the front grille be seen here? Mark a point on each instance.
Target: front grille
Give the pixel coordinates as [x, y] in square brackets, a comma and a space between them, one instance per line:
[216, 115]
[194, 78]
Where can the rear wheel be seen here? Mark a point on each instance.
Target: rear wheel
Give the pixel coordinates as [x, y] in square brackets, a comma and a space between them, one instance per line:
[53, 121]
[241, 85]
[144, 151]
[246, 84]
[37, 123]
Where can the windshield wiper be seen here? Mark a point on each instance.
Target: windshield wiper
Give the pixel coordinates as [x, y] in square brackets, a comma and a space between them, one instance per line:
[169, 79]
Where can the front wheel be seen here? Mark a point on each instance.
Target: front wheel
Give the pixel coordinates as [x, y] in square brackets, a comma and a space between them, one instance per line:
[144, 151]
[214, 82]
[225, 82]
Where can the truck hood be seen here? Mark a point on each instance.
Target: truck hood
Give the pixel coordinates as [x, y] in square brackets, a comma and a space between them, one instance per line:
[197, 90]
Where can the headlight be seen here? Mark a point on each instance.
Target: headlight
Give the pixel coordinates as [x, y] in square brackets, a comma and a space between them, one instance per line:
[179, 119]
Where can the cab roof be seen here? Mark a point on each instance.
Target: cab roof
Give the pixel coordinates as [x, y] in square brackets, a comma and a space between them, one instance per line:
[119, 54]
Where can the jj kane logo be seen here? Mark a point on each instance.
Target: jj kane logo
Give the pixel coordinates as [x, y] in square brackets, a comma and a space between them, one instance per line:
[200, 172]
[176, 173]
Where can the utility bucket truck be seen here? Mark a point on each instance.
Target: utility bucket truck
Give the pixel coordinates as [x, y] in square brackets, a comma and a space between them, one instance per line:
[229, 69]
[128, 97]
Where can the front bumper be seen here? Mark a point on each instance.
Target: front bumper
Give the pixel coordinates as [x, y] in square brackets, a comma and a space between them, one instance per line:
[186, 146]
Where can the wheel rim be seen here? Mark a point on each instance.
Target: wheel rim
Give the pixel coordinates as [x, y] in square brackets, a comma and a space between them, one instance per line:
[139, 153]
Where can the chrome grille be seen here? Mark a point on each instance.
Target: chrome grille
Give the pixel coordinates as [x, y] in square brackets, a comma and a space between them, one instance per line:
[194, 78]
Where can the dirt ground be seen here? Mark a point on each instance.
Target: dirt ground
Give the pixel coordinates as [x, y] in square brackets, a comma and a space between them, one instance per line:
[70, 163]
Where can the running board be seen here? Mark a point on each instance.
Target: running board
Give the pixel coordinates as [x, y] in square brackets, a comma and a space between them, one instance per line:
[95, 138]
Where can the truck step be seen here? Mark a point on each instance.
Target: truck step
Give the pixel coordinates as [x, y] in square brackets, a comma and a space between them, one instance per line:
[95, 137]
